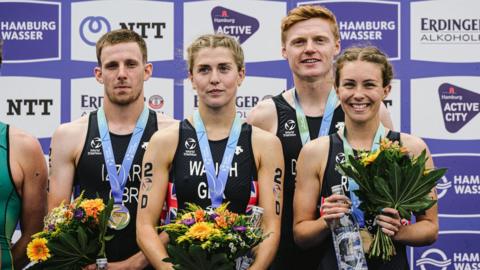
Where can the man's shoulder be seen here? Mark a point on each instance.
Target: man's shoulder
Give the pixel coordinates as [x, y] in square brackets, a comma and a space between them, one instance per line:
[71, 134]
[165, 121]
[77, 125]
[263, 115]
[22, 141]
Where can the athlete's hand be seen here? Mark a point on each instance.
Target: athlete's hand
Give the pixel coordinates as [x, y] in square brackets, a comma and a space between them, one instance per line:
[389, 221]
[335, 207]
[90, 267]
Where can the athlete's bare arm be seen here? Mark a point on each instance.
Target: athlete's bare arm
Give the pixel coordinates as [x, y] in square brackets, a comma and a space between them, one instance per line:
[29, 172]
[65, 150]
[269, 161]
[156, 166]
[264, 116]
[309, 230]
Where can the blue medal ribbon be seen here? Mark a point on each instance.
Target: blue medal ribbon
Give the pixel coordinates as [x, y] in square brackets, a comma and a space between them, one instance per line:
[352, 185]
[216, 184]
[119, 179]
[326, 120]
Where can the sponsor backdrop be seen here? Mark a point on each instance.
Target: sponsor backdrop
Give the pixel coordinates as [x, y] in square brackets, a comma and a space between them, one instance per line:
[49, 56]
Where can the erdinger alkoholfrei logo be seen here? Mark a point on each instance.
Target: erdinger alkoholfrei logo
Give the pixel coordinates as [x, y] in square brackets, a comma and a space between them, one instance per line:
[233, 23]
[442, 187]
[26, 25]
[156, 102]
[376, 23]
[92, 28]
[434, 257]
[459, 106]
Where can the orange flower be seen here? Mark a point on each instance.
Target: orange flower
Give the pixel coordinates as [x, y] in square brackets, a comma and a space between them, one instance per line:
[92, 207]
[221, 221]
[68, 214]
[232, 217]
[37, 250]
[199, 215]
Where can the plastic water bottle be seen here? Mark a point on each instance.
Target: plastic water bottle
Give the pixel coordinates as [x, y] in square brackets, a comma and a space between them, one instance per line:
[244, 262]
[102, 264]
[347, 240]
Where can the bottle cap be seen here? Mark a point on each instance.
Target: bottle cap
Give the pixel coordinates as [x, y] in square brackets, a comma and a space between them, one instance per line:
[257, 210]
[337, 189]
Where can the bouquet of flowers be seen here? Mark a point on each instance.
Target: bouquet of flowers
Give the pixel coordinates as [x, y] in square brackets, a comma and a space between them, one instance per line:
[210, 239]
[389, 177]
[73, 235]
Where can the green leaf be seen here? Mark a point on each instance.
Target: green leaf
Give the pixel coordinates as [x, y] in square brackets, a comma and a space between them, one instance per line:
[218, 261]
[180, 257]
[70, 243]
[82, 238]
[395, 180]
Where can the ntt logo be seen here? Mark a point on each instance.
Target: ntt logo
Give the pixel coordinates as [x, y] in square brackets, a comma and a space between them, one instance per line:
[92, 28]
[439, 260]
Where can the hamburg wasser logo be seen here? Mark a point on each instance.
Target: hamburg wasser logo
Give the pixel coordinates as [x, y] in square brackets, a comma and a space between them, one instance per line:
[26, 25]
[233, 23]
[443, 187]
[434, 257]
[372, 22]
[459, 106]
[92, 28]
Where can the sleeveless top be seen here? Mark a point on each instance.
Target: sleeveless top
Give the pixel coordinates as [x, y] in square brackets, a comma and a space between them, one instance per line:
[188, 181]
[289, 255]
[331, 177]
[10, 201]
[91, 176]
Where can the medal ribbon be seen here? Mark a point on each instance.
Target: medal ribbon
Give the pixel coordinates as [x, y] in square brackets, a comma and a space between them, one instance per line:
[119, 179]
[216, 184]
[352, 185]
[326, 120]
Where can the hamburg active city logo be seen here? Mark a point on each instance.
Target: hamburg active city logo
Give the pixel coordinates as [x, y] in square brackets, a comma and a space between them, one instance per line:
[459, 106]
[434, 257]
[233, 23]
[92, 28]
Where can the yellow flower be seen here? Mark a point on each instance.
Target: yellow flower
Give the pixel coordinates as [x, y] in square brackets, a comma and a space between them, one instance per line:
[367, 160]
[37, 250]
[92, 207]
[201, 231]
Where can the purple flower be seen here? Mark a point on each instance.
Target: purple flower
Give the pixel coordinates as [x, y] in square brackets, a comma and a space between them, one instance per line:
[51, 227]
[78, 214]
[239, 228]
[213, 216]
[188, 221]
